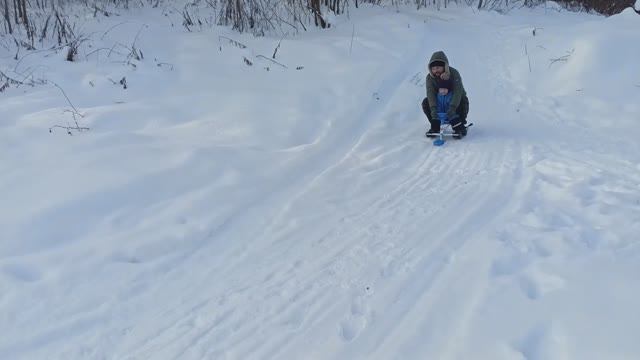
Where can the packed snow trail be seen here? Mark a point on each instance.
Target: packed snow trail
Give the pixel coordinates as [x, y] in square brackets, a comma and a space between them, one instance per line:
[271, 222]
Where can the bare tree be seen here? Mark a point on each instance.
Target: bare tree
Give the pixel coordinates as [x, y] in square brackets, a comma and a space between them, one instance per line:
[50, 19]
[7, 17]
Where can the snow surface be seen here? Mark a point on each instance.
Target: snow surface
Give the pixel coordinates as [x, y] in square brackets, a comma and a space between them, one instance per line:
[216, 210]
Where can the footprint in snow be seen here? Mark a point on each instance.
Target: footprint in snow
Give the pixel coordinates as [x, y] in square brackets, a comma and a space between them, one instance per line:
[351, 328]
[544, 342]
[511, 265]
[535, 283]
[21, 272]
[356, 321]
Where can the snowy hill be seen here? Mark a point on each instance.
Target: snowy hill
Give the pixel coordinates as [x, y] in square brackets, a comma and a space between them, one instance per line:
[217, 210]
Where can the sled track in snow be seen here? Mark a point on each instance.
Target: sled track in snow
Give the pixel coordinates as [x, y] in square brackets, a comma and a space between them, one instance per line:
[448, 262]
[387, 241]
[411, 234]
[329, 154]
[410, 242]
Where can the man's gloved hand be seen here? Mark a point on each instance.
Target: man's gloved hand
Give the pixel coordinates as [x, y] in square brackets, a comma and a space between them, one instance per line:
[434, 115]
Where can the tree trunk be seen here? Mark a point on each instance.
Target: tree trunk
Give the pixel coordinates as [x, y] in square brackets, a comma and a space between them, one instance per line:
[238, 21]
[317, 12]
[7, 17]
[15, 12]
[25, 19]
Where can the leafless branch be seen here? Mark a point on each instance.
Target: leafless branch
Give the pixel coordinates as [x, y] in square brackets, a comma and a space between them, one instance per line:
[111, 28]
[273, 61]
[528, 58]
[74, 47]
[102, 49]
[75, 127]
[138, 34]
[161, 64]
[29, 74]
[233, 42]
[69, 128]
[563, 58]
[75, 110]
[113, 49]
[277, 47]
[9, 80]
[353, 33]
[560, 59]
[125, 63]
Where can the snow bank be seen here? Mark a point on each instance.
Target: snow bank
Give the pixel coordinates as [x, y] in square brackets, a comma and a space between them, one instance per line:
[582, 71]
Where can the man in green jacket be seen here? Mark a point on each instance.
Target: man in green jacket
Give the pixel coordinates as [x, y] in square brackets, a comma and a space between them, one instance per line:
[444, 79]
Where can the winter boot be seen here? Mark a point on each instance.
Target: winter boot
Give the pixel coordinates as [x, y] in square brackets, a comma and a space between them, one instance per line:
[434, 131]
[459, 129]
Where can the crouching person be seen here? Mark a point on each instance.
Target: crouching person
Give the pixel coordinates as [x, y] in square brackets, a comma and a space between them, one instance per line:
[445, 81]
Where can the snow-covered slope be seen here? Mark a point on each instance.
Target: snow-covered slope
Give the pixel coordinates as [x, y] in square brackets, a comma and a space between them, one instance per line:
[217, 210]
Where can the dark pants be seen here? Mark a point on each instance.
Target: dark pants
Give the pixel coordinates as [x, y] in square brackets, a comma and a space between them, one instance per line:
[462, 111]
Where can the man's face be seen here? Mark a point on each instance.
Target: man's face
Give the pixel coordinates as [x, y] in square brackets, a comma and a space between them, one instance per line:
[437, 70]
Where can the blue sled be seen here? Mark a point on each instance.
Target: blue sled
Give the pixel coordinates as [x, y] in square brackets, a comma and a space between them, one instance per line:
[445, 130]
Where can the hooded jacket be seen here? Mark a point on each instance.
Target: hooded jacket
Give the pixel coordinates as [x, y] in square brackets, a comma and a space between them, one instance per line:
[450, 78]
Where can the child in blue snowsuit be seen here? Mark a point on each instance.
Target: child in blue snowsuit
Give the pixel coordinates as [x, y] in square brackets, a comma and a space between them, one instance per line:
[444, 100]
